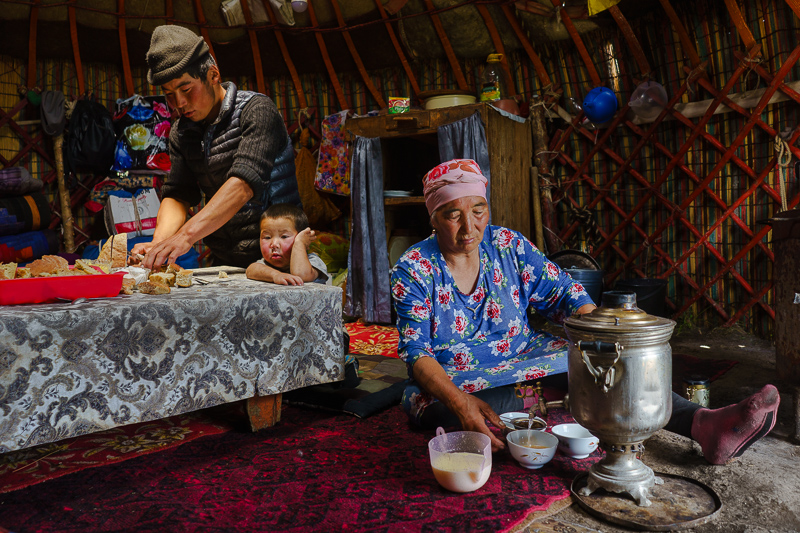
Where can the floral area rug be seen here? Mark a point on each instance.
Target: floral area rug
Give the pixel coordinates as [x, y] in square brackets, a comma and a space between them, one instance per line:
[313, 472]
[29, 466]
[372, 339]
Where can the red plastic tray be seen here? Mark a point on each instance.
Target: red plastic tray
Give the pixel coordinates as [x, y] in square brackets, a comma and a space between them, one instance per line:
[40, 290]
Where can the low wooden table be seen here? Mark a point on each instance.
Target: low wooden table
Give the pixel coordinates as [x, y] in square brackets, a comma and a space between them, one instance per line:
[71, 369]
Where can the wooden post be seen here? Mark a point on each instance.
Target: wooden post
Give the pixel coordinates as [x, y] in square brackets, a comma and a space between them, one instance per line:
[63, 195]
[536, 199]
[264, 411]
[540, 146]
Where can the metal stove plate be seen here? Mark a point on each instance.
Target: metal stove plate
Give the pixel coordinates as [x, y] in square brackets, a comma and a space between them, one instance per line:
[680, 503]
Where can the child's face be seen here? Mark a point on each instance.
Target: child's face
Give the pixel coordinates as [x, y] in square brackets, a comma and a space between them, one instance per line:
[277, 238]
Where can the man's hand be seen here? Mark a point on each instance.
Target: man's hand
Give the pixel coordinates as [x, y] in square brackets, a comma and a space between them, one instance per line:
[284, 278]
[165, 252]
[305, 238]
[138, 252]
[473, 413]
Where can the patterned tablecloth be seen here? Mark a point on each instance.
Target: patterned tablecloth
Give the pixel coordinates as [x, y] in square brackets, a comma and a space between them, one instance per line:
[70, 369]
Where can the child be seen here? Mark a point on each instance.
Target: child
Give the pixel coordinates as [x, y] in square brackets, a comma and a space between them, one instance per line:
[285, 237]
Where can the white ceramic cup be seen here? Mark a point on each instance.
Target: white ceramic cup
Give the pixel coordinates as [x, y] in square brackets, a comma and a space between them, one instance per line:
[531, 448]
[575, 440]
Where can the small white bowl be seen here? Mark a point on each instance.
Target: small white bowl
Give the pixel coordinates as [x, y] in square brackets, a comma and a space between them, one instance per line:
[575, 440]
[531, 448]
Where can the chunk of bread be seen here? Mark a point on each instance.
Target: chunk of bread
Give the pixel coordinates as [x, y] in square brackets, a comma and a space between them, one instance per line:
[128, 283]
[8, 270]
[222, 274]
[162, 277]
[70, 272]
[115, 251]
[48, 264]
[84, 265]
[183, 278]
[174, 268]
[23, 272]
[150, 287]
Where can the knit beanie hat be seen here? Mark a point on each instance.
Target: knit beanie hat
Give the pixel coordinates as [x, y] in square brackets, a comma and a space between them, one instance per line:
[172, 49]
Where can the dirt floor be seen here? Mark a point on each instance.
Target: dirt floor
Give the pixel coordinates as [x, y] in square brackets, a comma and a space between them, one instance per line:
[760, 491]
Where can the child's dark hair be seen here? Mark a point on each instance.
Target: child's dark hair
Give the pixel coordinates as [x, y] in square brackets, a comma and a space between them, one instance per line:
[290, 211]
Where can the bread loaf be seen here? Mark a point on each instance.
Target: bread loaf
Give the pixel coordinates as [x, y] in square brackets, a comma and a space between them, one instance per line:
[85, 265]
[8, 270]
[183, 278]
[151, 287]
[128, 283]
[163, 277]
[115, 251]
[48, 264]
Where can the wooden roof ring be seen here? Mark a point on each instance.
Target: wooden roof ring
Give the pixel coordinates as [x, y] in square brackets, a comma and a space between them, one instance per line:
[743, 133]
[356, 57]
[201, 19]
[538, 66]
[448, 48]
[248, 18]
[76, 50]
[403, 61]
[326, 58]
[576, 38]
[298, 86]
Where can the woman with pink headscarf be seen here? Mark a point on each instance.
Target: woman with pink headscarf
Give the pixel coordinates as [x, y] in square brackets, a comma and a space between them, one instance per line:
[462, 298]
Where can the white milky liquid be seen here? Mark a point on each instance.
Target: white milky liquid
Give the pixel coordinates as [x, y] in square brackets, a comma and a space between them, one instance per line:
[461, 471]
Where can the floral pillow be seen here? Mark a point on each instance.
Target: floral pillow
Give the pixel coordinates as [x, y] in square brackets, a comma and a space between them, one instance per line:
[332, 249]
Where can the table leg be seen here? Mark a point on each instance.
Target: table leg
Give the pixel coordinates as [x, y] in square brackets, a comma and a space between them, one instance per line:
[264, 411]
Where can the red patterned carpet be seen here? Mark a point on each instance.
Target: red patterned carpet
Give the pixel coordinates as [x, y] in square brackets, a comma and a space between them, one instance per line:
[33, 465]
[315, 471]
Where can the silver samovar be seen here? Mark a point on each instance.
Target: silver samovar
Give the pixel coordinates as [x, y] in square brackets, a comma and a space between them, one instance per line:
[620, 389]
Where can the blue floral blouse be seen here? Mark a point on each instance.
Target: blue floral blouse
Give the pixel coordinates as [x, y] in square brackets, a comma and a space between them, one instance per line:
[482, 339]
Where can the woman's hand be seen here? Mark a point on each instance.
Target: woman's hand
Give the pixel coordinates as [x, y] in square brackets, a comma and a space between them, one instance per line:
[473, 414]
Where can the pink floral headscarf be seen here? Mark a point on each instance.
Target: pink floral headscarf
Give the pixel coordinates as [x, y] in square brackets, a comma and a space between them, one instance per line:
[451, 180]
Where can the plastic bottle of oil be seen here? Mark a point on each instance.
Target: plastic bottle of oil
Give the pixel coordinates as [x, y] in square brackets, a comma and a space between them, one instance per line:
[491, 84]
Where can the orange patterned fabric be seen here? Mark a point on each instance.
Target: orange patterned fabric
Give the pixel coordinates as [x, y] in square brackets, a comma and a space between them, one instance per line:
[372, 339]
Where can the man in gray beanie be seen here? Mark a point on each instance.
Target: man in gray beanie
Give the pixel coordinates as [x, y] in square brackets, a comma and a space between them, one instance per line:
[229, 146]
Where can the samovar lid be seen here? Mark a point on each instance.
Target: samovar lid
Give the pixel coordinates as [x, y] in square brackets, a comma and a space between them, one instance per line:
[618, 310]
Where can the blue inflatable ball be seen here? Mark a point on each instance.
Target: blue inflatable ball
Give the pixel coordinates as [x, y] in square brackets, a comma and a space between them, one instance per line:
[600, 105]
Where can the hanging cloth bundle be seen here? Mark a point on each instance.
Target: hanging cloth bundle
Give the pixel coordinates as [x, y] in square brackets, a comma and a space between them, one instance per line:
[784, 159]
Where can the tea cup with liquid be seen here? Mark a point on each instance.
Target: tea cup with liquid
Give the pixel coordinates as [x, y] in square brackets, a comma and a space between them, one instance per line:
[532, 448]
[461, 460]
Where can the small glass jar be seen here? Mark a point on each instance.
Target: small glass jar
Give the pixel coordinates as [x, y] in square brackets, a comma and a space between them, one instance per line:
[696, 389]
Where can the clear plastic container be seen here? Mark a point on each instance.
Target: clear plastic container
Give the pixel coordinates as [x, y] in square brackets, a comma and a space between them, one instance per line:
[461, 460]
[491, 81]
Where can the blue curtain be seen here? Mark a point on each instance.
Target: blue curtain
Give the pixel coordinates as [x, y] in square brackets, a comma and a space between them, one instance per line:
[368, 267]
[465, 139]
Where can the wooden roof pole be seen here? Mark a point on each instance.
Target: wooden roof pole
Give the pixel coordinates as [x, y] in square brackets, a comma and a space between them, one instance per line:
[301, 95]
[326, 58]
[169, 12]
[538, 66]
[409, 73]
[123, 47]
[248, 19]
[499, 48]
[573, 32]
[356, 57]
[683, 35]
[76, 51]
[201, 19]
[795, 6]
[633, 42]
[448, 48]
[741, 24]
[33, 24]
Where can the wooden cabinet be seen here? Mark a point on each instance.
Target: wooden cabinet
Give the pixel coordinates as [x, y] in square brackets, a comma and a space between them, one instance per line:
[409, 146]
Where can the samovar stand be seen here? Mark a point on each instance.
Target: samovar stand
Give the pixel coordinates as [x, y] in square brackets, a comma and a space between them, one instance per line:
[622, 471]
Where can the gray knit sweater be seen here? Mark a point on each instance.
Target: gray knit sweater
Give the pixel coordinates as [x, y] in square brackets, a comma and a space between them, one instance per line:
[248, 140]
